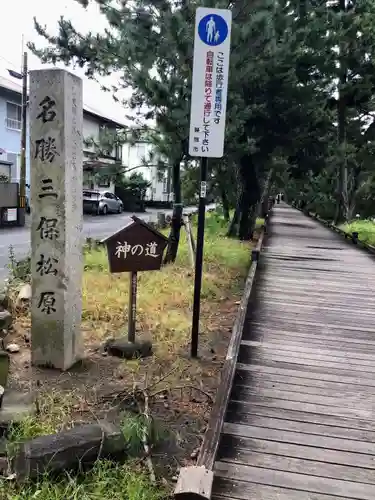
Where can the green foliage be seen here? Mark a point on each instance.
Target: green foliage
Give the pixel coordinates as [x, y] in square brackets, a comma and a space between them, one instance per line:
[132, 191]
[136, 427]
[107, 481]
[364, 228]
[302, 95]
[20, 269]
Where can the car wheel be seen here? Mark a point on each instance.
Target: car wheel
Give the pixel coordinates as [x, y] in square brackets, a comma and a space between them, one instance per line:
[120, 209]
[105, 210]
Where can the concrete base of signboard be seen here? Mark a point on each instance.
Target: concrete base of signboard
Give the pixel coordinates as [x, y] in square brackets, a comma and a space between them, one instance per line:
[122, 348]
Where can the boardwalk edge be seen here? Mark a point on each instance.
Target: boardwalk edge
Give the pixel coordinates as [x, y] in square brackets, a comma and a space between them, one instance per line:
[195, 482]
[349, 238]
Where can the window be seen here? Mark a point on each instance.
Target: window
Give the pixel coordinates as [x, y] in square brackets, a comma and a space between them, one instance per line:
[13, 158]
[141, 150]
[14, 116]
[118, 152]
[165, 185]
[104, 182]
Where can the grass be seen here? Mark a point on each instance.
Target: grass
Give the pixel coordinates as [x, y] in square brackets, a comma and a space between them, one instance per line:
[164, 297]
[364, 228]
[107, 480]
[164, 310]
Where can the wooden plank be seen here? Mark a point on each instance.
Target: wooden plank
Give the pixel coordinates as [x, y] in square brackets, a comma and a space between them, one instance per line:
[308, 385]
[299, 291]
[340, 366]
[311, 374]
[225, 489]
[301, 482]
[358, 405]
[300, 422]
[257, 385]
[241, 444]
[300, 427]
[297, 465]
[314, 340]
[284, 404]
[308, 325]
[277, 319]
[279, 435]
[309, 350]
[312, 358]
[255, 408]
[299, 299]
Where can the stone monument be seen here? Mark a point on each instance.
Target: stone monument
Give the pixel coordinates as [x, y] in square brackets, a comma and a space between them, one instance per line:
[56, 156]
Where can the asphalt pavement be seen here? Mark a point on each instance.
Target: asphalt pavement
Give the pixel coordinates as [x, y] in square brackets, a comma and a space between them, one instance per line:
[96, 227]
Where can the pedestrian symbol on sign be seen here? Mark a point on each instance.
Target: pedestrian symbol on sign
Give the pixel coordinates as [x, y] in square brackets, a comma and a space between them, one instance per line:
[213, 30]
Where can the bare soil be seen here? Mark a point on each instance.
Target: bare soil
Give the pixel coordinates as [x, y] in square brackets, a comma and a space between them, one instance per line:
[181, 390]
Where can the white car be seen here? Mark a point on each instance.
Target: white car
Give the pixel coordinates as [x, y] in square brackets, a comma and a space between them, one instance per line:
[96, 202]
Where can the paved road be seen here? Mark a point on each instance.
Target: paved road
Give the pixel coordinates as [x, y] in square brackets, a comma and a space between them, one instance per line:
[94, 227]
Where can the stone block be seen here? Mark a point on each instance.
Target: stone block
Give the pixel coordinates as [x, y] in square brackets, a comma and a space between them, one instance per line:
[56, 153]
[5, 320]
[15, 407]
[4, 368]
[68, 450]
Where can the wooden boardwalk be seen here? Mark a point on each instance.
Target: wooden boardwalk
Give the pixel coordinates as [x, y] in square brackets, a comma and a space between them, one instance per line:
[301, 420]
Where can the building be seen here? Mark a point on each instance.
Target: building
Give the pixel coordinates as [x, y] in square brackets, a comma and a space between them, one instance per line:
[134, 157]
[96, 174]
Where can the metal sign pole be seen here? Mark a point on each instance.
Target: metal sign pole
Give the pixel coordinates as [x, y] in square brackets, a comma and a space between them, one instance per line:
[199, 259]
[132, 306]
[207, 118]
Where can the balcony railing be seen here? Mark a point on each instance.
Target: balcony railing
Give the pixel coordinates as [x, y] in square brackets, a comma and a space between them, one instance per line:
[13, 124]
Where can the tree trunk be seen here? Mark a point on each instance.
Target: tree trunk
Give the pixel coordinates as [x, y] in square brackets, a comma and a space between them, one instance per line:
[176, 223]
[232, 230]
[343, 208]
[264, 204]
[250, 197]
[245, 230]
[225, 203]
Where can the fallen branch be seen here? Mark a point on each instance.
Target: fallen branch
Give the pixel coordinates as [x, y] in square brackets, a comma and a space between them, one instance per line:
[160, 379]
[145, 437]
[181, 387]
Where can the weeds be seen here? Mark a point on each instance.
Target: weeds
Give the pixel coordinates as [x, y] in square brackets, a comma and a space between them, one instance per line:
[106, 481]
[164, 314]
[364, 228]
[20, 270]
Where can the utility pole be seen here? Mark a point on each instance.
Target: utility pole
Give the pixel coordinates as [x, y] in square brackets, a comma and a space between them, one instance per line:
[22, 198]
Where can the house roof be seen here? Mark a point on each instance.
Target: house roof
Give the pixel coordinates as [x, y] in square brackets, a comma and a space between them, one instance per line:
[12, 86]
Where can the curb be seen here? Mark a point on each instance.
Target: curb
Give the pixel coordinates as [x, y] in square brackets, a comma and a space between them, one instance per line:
[195, 482]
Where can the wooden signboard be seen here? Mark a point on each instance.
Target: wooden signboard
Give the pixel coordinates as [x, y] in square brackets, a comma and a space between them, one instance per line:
[136, 247]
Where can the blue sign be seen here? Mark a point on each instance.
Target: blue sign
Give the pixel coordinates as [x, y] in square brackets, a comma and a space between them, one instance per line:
[213, 30]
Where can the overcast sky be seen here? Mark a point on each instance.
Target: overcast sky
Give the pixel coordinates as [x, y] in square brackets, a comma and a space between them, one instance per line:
[17, 20]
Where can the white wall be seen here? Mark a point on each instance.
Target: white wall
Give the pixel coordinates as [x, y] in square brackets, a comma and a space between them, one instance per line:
[133, 156]
[90, 130]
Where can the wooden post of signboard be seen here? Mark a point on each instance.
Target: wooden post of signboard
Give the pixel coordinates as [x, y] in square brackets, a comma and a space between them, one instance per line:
[132, 306]
[134, 248]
